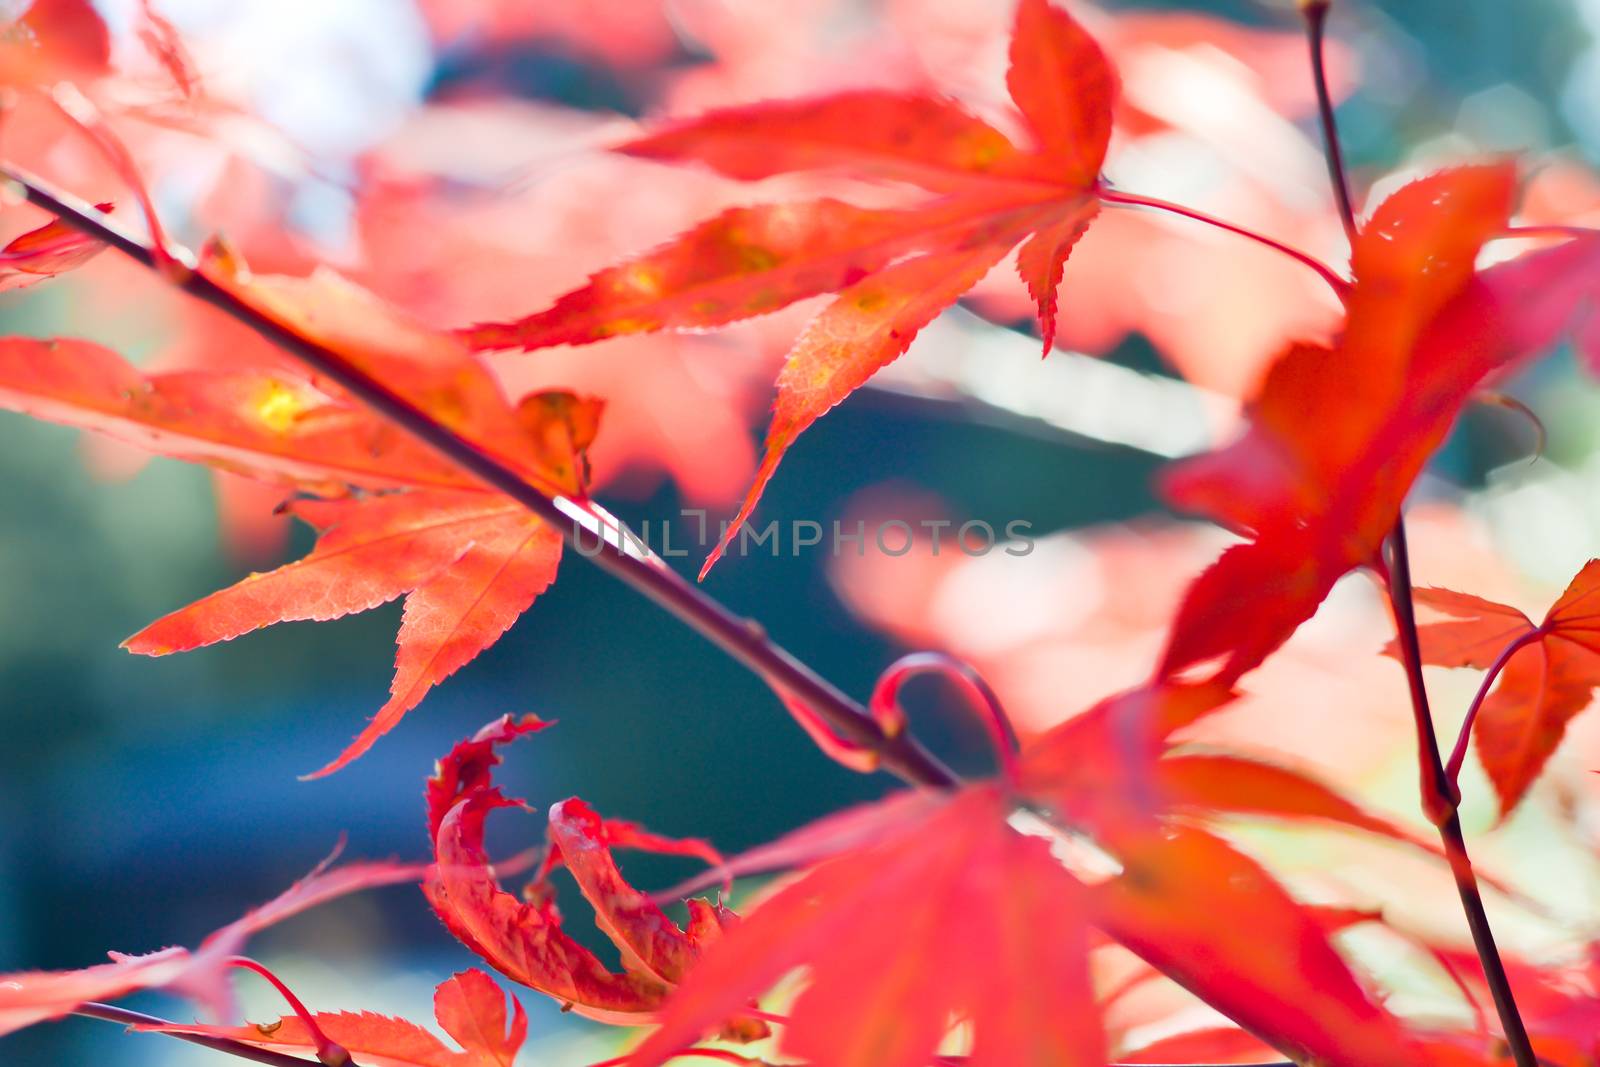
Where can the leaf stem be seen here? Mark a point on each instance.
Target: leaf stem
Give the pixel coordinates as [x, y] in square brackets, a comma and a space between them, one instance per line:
[1458, 755]
[1440, 795]
[1440, 798]
[743, 639]
[1340, 286]
[112, 1014]
[329, 1052]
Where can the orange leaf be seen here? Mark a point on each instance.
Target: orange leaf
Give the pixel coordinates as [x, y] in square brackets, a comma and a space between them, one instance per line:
[1064, 87]
[52, 40]
[868, 327]
[433, 370]
[468, 1006]
[926, 141]
[468, 563]
[895, 270]
[1542, 686]
[51, 249]
[1213, 783]
[270, 425]
[1212, 919]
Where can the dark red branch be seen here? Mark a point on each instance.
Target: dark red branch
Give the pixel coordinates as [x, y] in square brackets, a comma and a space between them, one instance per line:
[1440, 796]
[743, 639]
[1316, 16]
[221, 1044]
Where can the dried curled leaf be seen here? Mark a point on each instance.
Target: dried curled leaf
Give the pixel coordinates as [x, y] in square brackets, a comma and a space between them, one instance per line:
[523, 938]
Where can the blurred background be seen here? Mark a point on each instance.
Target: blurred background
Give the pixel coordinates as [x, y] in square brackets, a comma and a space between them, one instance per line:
[449, 155]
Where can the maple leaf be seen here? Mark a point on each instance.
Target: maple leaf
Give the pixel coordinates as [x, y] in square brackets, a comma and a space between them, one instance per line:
[1186, 902]
[523, 939]
[468, 1006]
[468, 561]
[50, 40]
[278, 425]
[1216, 922]
[433, 370]
[468, 564]
[46, 251]
[165, 45]
[35, 996]
[29, 997]
[942, 912]
[271, 425]
[1338, 435]
[1114, 767]
[894, 269]
[1547, 673]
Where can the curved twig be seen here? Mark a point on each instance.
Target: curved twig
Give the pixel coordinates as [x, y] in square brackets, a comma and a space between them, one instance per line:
[885, 702]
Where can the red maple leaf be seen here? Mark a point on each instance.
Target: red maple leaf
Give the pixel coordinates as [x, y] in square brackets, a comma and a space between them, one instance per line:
[1547, 673]
[927, 909]
[31, 997]
[1209, 917]
[1189, 904]
[44, 252]
[468, 561]
[1337, 436]
[51, 40]
[895, 269]
[468, 1006]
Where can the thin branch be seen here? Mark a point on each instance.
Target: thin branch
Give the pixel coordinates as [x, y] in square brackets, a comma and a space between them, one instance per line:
[1316, 16]
[1340, 287]
[1440, 795]
[1458, 755]
[743, 639]
[113, 1014]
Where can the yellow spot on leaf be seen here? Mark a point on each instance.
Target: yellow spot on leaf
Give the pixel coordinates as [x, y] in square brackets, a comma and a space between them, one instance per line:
[278, 407]
[646, 281]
